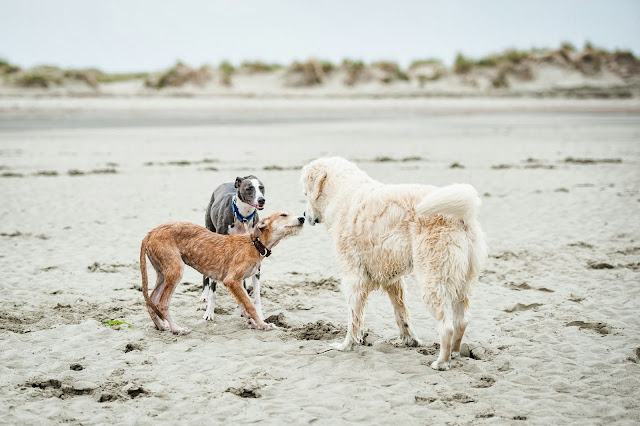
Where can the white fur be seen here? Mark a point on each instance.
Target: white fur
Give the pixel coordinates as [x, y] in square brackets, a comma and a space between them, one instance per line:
[257, 302]
[204, 297]
[244, 208]
[383, 232]
[256, 185]
[458, 200]
[211, 306]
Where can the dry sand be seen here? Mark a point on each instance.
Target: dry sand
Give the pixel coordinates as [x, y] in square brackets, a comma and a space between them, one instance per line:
[555, 332]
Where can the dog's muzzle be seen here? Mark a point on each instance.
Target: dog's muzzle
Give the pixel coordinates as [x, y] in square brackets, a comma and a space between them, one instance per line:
[259, 206]
[312, 220]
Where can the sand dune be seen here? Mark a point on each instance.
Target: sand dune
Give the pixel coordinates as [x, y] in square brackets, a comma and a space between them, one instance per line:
[554, 336]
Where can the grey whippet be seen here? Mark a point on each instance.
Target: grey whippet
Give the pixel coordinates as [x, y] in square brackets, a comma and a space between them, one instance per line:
[233, 209]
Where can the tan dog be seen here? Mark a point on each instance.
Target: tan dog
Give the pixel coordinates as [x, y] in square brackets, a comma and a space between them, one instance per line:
[225, 258]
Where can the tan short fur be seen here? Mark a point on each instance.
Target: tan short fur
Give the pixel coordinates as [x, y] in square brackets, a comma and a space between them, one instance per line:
[225, 258]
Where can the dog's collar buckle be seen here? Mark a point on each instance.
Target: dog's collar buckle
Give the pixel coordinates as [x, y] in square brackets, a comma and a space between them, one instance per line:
[264, 252]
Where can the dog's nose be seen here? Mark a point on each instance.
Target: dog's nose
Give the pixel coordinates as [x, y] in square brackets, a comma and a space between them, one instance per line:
[261, 200]
[301, 220]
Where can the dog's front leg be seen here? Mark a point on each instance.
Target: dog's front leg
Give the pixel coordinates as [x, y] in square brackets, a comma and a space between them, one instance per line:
[211, 302]
[206, 289]
[357, 300]
[239, 293]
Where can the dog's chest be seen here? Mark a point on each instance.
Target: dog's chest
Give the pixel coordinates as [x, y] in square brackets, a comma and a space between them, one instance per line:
[252, 270]
[239, 228]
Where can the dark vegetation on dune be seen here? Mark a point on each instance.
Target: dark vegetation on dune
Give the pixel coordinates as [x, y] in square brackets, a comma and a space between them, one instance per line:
[503, 70]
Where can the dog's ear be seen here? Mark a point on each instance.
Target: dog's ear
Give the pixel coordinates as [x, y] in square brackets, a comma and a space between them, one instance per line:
[263, 224]
[318, 183]
[238, 182]
[256, 232]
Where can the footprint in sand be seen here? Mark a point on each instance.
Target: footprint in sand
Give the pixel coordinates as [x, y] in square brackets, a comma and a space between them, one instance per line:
[424, 400]
[279, 320]
[132, 347]
[485, 382]
[319, 330]
[246, 391]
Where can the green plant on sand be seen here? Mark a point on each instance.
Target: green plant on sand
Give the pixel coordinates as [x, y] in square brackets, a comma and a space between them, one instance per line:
[116, 322]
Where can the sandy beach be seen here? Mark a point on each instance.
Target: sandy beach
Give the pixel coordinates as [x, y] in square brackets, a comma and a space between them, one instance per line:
[555, 331]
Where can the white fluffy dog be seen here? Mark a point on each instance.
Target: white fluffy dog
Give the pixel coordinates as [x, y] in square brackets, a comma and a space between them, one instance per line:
[383, 232]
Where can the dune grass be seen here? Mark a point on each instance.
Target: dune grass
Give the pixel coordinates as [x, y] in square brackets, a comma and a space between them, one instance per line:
[421, 62]
[309, 73]
[392, 70]
[254, 67]
[179, 75]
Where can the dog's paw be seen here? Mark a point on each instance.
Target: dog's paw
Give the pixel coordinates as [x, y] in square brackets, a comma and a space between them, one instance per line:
[444, 366]
[412, 342]
[343, 347]
[180, 331]
[208, 316]
[264, 326]
[455, 355]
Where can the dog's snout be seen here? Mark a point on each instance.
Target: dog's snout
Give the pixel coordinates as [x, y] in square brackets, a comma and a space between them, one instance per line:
[317, 220]
[301, 220]
[261, 200]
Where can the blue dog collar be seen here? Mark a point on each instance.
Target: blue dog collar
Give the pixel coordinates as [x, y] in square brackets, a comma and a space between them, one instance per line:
[237, 214]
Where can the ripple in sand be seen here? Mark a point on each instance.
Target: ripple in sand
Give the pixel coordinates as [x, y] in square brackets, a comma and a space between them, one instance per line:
[572, 160]
[519, 307]
[599, 327]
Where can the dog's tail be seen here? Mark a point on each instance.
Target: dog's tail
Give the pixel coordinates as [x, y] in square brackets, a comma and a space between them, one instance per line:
[145, 281]
[459, 200]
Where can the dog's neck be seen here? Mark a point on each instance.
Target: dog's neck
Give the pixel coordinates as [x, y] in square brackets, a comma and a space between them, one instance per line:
[267, 240]
[243, 208]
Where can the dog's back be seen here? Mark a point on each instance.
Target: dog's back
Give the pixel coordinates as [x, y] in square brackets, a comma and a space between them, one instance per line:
[219, 216]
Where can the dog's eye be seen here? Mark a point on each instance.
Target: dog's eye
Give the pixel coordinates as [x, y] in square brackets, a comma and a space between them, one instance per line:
[283, 215]
[261, 189]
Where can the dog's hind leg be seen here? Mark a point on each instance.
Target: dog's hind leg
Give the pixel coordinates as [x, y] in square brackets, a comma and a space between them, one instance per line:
[211, 303]
[155, 295]
[460, 322]
[438, 306]
[172, 276]
[396, 292]
[356, 300]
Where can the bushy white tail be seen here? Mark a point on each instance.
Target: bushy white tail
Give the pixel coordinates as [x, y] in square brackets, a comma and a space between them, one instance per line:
[459, 200]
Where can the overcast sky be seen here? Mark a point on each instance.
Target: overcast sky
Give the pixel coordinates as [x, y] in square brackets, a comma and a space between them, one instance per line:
[129, 35]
